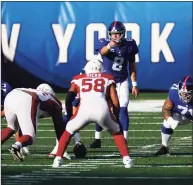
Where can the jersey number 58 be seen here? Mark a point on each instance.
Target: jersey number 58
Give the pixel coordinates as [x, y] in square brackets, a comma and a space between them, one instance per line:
[93, 84]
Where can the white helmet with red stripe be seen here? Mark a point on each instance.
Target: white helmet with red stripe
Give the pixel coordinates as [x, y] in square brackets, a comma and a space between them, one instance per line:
[45, 88]
[93, 66]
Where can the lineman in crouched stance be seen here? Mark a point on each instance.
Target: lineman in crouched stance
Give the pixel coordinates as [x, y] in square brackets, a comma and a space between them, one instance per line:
[177, 110]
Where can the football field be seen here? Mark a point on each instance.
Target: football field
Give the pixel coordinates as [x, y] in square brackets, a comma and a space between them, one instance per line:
[104, 164]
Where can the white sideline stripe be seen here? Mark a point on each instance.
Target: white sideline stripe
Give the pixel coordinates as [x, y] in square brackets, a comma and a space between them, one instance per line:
[129, 130]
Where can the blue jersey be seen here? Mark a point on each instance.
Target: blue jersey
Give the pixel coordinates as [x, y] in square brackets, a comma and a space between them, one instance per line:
[184, 109]
[116, 61]
[5, 89]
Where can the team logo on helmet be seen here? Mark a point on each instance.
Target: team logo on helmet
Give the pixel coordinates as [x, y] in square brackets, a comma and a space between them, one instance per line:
[185, 89]
[45, 88]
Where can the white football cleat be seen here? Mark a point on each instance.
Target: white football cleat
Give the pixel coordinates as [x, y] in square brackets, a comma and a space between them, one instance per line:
[25, 151]
[66, 155]
[54, 151]
[127, 161]
[57, 162]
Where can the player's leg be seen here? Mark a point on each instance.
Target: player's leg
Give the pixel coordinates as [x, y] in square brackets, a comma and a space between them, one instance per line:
[113, 127]
[166, 134]
[24, 150]
[167, 131]
[75, 124]
[54, 151]
[7, 132]
[9, 106]
[123, 94]
[27, 118]
[97, 141]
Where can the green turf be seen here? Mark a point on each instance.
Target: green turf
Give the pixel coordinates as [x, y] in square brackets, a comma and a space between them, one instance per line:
[100, 164]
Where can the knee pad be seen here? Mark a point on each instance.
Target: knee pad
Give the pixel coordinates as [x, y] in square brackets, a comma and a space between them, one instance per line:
[168, 131]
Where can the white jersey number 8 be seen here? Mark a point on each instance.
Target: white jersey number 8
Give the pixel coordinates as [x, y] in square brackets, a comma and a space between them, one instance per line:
[117, 64]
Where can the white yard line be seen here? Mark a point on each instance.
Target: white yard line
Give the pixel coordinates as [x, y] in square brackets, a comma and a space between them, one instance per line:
[134, 154]
[94, 166]
[185, 130]
[131, 123]
[103, 147]
[135, 138]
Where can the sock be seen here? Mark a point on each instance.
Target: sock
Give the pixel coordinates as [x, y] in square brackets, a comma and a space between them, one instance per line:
[63, 143]
[65, 119]
[125, 133]
[124, 118]
[97, 135]
[25, 140]
[56, 142]
[98, 128]
[6, 134]
[121, 144]
[77, 137]
[18, 144]
[166, 135]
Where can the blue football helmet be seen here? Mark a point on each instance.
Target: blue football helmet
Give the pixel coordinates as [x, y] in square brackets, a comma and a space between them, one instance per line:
[119, 28]
[185, 89]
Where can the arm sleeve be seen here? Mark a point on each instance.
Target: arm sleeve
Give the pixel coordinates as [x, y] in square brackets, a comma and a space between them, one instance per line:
[68, 103]
[58, 122]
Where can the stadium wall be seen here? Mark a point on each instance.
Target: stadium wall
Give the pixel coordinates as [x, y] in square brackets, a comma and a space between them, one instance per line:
[51, 41]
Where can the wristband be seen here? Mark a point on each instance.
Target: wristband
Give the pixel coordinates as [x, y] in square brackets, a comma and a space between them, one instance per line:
[134, 84]
[108, 46]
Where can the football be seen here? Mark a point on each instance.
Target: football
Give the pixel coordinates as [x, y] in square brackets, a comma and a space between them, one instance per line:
[80, 150]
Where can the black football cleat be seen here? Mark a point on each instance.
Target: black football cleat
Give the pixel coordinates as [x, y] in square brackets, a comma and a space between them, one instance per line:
[15, 151]
[162, 151]
[96, 144]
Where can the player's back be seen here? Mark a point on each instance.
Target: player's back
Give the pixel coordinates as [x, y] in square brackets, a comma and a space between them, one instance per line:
[93, 87]
[46, 99]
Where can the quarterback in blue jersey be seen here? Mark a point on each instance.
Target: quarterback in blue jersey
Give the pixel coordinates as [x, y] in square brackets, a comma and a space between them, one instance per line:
[118, 54]
[5, 89]
[177, 110]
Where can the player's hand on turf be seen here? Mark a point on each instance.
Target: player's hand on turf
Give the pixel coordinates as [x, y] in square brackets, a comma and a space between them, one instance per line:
[135, 92]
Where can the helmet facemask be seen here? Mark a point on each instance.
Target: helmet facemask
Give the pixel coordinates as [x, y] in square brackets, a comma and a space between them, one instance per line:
[185, 93]
[119, 40]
